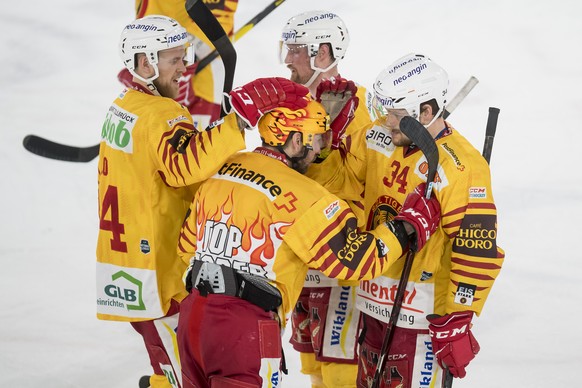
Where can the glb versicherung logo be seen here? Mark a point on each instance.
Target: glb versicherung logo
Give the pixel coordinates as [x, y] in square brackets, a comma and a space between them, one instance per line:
[125, 291]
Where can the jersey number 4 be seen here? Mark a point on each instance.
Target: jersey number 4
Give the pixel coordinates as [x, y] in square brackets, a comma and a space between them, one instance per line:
[110, 206]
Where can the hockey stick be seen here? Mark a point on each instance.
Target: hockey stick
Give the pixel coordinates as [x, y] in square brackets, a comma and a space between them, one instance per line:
[460, 96]
[57, 151]
[418, 134]
[241, 32]
[487, 148]
[490, 132]
[202, 16]
[51, 150]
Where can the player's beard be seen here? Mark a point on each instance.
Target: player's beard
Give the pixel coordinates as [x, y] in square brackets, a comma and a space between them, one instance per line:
[165, 89]
[302, 163]
[300, 79]
[399, 139]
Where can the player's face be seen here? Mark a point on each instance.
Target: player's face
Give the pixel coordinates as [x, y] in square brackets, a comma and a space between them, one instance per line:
[297, 61]
[390, 119]
[171, 66]
[317, 145]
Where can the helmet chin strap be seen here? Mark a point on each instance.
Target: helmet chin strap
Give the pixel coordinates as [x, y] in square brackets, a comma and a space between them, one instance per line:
[435, 117]
[294, 159]
[148, 81]
[317, 71]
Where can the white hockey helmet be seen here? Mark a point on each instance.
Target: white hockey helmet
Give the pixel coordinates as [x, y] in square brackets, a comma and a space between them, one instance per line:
[409, 82]
[149, 35]
[312, 29]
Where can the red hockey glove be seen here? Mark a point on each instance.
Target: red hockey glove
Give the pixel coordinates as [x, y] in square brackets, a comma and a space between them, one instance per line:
[186, 93]
[252, 100]
[453, 343]
[422, 214]
[338, 97]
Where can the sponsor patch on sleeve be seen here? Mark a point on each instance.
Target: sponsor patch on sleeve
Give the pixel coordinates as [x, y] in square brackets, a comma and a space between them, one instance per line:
[465, 294]
[175, 120]
[331, 209]
[382, 247]
[478, 192]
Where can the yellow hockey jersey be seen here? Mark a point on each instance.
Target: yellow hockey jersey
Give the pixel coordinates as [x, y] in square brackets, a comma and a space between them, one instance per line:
[459, 264]
[322, 172]
[150, 156]
[258, 215]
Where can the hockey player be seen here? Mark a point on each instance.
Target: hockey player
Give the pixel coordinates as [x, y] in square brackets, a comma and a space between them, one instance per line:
[254, 229]
[200, 92]
[312, 45]
[452, 276]
[150, 156]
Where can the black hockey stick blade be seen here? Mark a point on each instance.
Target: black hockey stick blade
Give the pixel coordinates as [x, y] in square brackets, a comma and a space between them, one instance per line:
[49, 149]
[241, 32]
[490, 132]
[202, 16]
[419, 135]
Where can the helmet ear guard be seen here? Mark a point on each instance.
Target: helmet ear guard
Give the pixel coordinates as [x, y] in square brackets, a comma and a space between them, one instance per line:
[409, 82]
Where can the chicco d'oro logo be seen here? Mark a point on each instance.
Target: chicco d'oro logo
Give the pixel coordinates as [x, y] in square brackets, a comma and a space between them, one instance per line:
[127, 290]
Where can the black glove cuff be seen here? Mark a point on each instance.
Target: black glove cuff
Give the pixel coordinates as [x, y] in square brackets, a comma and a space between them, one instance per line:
[397, 227]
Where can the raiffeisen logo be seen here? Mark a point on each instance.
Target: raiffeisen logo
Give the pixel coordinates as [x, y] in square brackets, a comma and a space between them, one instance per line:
[125, 290]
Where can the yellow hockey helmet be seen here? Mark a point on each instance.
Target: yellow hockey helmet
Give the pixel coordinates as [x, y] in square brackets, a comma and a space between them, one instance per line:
[276, 125]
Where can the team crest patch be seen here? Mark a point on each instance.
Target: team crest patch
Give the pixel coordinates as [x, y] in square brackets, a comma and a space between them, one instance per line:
[144, 246]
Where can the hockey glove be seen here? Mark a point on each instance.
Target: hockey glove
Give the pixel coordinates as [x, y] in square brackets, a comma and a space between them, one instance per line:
[338, 97]
[186, 93]
[422, 214]
[254, 99]
[453, 343]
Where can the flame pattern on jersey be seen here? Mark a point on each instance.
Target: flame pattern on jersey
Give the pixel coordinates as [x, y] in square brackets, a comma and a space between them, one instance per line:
[234, 221]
